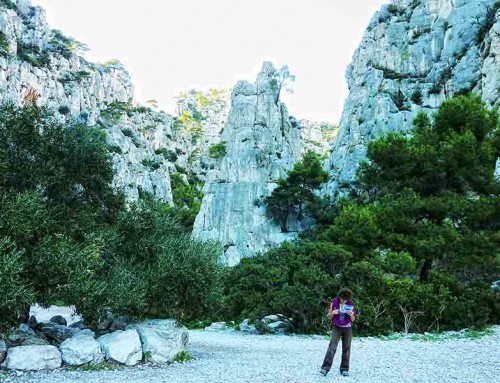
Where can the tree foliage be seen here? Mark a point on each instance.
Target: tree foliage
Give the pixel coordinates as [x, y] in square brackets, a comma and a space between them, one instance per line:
[217, 151]
[297, 191]
[420, 234]
[429, 184]
[281, 79]
[66, 235]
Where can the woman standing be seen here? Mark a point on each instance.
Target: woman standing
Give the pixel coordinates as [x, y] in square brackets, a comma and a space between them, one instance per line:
[342, 313]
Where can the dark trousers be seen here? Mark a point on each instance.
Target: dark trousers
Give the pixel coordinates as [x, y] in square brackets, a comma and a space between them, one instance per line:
[346, 334]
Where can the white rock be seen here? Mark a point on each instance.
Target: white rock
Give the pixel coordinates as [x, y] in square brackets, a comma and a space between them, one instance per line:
[217, 326]
[122, 346]
[162, 340]
[80, 350]
[245, 326]
[85, 332]
[30, 358]
[263, 143]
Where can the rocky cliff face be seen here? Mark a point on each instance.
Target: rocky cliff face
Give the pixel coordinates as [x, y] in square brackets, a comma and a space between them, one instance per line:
[140, 141]
[199, 124]
[414, 55]
[262, 143]
[34, 58]
[237, 144]
[41, 63]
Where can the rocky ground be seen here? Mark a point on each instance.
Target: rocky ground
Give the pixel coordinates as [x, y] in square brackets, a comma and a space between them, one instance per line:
[238, 358]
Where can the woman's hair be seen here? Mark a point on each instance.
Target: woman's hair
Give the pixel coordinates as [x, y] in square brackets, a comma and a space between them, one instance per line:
[345, 294]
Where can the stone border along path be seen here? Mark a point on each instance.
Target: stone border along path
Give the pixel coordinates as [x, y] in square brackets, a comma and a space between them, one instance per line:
[233, 357]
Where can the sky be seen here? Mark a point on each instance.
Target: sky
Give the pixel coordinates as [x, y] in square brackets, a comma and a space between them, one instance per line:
[170, 46]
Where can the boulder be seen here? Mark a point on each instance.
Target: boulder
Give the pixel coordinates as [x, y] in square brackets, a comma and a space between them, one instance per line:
[278, 326]
[78, 325]
[119, 323]
[274, 324]
[59, 319]
[81, 350]
[19, 336]
[217, 326]
[33, 358]
[57, 333]
[3, 350]
[32, 322]
[35, 342]
[106, 323]
[245, 326]
[162, 340]
[84, 332]
[122, 346]
[24, 328]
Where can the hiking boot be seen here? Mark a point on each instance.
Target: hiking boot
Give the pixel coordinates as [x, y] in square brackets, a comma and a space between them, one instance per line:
[344, 373]
[323, 371]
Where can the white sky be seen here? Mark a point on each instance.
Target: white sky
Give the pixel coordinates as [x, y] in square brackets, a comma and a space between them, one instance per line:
[170, 46]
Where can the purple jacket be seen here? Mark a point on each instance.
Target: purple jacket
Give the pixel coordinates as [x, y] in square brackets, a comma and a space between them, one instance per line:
[342, 319]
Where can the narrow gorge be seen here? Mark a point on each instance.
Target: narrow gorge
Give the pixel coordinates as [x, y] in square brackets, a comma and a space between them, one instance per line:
[231, 147]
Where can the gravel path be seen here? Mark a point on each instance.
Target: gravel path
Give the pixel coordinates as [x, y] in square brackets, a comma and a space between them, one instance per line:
[238, 358]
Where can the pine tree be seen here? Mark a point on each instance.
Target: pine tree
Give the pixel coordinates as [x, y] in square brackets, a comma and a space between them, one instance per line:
[433, 183]
[297, 190]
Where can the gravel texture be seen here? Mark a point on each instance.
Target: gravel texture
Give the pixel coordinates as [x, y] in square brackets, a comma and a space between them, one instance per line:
[238, 358]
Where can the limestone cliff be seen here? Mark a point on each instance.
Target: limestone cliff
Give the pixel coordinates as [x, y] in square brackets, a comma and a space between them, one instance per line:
[262, 142]
[38, 62]
[237, 144]
[414, 55]
[200, 121]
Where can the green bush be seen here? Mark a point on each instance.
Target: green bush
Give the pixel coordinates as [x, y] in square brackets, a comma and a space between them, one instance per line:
[187, 198]
[169, 154]
[78, 76]
[64, 110]
[4, 45]
[436, 88]
[182, 357]
[65, 234]
[115, 110]
[115, 149]
[9, 4]
[151, 164]
[296, 280]
[218, 150]
[398, 263]
[417, 97]
[177, 269]
[16, 293]
[49, 219]
[395, 7]
[66, 46]
[390, 73]
[32, 54]
[399, 99]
